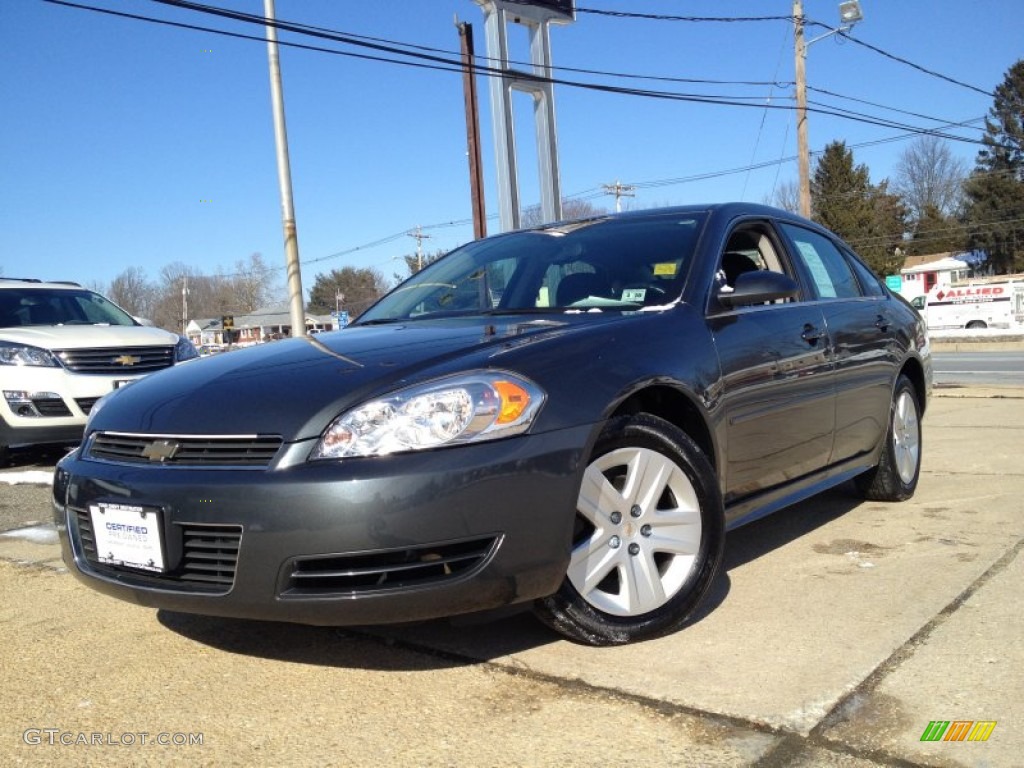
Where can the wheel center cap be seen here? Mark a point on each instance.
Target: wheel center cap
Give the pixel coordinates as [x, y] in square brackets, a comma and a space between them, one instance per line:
[629, 529]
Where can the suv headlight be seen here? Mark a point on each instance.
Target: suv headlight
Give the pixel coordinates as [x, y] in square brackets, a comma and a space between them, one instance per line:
[23, 354]
[465, 408]
[184, 350]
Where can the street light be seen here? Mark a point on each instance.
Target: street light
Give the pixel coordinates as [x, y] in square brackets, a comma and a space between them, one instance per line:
[849, 14]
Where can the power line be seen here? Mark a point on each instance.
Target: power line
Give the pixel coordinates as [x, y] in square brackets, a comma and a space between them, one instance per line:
[439, 63]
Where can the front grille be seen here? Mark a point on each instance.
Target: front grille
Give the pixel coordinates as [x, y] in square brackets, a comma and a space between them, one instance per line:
[242, 451]
[117, 360]
[207, 556]
[86, 403]
[50, 406]
[392, 569]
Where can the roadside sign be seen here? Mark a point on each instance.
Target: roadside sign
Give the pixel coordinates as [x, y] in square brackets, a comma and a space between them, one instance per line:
[894, 282]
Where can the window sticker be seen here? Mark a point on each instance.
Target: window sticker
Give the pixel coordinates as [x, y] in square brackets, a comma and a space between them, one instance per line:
[666, 269]
[822, 279]
[634, 294]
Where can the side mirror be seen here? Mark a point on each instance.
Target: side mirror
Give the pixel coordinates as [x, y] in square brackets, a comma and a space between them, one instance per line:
[757, 288]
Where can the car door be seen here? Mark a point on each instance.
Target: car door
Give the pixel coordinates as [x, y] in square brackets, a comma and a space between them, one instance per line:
[777, 387]
[861, 338]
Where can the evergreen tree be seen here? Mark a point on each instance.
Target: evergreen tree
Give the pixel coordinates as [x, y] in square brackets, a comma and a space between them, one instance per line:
[870, 218]
[995, 190]
[347, 288]
[934, 232]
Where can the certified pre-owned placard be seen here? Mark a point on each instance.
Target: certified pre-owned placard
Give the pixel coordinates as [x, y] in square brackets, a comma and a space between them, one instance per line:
[127, 534]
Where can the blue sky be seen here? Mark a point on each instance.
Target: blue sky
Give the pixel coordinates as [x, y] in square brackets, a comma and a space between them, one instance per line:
[130, 144]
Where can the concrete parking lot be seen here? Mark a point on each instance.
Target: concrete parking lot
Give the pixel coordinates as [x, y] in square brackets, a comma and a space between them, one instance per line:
[837, 633]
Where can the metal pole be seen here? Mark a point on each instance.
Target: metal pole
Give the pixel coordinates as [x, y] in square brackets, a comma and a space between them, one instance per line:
[803, 153]
[284, 177]
[476, 177]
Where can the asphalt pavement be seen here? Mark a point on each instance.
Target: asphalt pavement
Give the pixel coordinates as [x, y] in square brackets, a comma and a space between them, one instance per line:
[839, 633]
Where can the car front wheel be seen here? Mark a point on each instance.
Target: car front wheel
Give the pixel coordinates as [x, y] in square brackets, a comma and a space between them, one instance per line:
[899, 466]
[647, 540]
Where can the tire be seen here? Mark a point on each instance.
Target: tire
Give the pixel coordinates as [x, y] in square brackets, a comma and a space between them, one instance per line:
[648, 537]
[976, 325]
[899, 467]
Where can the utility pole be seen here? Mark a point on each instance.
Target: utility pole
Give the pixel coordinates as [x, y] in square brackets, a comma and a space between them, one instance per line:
[184, 305]
[476, 177]
[420, 237]
[849, 14]
[620, 191]
[802, 151]
[284, 178]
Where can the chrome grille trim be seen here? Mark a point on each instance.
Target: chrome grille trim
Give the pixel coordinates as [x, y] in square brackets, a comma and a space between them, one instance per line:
[253, 451]
[363, 573]
[117, 360]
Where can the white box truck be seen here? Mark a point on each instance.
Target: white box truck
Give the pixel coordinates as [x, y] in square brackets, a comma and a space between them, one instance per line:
[974, 306]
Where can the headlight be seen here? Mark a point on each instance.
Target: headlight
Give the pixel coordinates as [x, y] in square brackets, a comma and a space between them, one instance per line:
[184, 350]
[22, 354]
[466, 408]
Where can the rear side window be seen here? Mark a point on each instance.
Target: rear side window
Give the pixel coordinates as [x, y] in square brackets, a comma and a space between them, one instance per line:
[828, 269]
[868, 281]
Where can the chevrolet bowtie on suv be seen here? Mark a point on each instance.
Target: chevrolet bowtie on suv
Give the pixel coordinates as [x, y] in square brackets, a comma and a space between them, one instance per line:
[62, 347]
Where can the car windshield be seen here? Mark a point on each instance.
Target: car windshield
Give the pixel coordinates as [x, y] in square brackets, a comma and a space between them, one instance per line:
[593, 265]
[21, 307]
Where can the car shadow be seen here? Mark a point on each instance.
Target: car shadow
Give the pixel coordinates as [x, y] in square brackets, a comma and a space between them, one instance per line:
[477, 638]
[36, 456]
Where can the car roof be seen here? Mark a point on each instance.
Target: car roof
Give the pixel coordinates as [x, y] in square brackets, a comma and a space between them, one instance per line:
[31, 282]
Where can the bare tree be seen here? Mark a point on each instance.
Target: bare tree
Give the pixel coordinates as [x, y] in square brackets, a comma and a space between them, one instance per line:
[571, 209]
[929, 176]
[132, 291]
[786, 197]
[251, 287]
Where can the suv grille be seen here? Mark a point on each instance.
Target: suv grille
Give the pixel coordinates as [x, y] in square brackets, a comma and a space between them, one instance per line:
[123, 360]
[209, 556]
[244, 451]
[359, 574]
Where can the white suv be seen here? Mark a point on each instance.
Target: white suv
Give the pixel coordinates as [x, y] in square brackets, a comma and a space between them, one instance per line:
[62, 347]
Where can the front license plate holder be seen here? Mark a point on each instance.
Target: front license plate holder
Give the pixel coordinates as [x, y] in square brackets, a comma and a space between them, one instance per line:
[128, 535]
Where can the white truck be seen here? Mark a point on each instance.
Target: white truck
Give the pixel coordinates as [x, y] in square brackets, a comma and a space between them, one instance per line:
[974, 305]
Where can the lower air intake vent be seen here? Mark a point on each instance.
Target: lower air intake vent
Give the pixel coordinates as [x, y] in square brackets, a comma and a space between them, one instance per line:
[209, 556]
[393, 569]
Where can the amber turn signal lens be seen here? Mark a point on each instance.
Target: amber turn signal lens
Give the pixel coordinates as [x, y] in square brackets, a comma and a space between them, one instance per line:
[514, 400]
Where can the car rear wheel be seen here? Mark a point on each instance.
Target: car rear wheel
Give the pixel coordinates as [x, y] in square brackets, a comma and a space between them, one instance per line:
[895, 477]
[648, 536]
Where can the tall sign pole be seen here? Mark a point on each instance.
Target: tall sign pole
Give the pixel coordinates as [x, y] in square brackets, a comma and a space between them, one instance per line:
[284, 178]
[536, 16]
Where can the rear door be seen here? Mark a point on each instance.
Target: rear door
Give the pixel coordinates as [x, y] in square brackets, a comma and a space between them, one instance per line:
[861, 337]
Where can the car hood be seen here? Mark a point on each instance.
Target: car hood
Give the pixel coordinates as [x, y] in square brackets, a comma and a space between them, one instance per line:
[88, 336]
[295, 387]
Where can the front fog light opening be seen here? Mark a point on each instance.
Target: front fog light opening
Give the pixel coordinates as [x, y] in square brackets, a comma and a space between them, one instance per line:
[22, 403]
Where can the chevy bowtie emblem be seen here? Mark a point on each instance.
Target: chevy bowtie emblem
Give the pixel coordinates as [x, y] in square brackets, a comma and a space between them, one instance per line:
[127, 360]
[161, 450]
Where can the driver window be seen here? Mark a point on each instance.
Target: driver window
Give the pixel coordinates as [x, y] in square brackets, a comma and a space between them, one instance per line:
[747, 250]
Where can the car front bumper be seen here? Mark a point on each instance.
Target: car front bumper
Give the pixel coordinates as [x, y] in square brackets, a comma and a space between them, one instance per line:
[361, 541]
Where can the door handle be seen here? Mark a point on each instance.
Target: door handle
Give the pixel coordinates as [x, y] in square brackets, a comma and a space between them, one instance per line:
[882, 323]
[811, 334]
